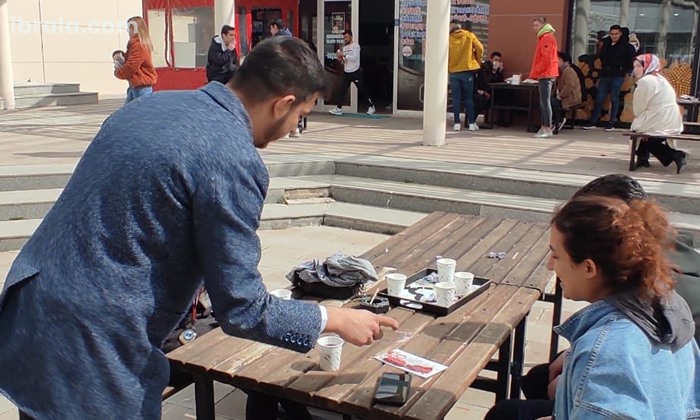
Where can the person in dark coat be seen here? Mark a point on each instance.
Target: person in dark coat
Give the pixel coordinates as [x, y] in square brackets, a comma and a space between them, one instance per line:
[222, 59]
[167, 198]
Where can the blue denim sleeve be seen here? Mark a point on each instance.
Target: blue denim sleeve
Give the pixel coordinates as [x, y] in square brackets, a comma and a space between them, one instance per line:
[226, 212]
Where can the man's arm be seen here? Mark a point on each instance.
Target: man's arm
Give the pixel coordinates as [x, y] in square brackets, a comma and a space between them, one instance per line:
[226, 213]
[215, 57]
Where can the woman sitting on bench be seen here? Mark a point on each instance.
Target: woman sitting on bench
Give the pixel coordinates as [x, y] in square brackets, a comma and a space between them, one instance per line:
[656, 114]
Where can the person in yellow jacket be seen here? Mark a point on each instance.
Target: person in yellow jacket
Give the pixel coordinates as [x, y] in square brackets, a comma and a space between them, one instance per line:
[464, 63]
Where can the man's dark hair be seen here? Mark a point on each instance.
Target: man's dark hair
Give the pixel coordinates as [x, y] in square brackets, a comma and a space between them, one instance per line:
[600, 35]
[615, 186]
[456, 22]
[279, 23]
[615, 28]
[496, 54]
[467, 24]
[564, 56]
[226, 29]
[540, 19]
[280, 66]
[347, 32]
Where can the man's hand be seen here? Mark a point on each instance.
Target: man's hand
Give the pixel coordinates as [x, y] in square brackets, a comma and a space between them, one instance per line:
[557, 366]
[358, 327]
[231, 45]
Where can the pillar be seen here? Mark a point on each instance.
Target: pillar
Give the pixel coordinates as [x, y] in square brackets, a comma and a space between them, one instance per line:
[435, 98]
[224, 14]
[7, 89]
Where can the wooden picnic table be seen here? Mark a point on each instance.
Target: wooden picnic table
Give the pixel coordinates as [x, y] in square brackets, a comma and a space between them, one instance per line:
[465, 340]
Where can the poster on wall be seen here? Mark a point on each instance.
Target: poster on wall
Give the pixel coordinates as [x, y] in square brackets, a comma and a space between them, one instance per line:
[412, 15]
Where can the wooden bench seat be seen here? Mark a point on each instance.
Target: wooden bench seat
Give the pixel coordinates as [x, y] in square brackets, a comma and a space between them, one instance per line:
[637, 137]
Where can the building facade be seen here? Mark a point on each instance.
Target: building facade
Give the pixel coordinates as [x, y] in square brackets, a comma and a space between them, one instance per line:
[58, 41]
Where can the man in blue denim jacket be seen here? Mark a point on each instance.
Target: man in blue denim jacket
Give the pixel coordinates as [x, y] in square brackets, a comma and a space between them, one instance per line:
[168, 195]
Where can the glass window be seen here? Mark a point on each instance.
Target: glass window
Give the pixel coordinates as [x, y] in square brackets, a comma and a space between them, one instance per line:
[411, 49]
[156, 27]
[193, 29]
[666, 28]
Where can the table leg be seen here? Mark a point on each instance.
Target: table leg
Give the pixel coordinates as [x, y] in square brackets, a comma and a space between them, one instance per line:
[530, 125]
[493, 103]
[633, 151]
[503, 376]
[204, 397]
[556, 320]
[518, 359]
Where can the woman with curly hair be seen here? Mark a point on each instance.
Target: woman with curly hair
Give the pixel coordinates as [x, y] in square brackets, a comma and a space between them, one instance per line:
[632, 351]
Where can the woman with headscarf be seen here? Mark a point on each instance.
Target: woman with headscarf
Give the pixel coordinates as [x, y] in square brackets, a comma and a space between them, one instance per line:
[138, 67]
[656, 113]
[545, 69]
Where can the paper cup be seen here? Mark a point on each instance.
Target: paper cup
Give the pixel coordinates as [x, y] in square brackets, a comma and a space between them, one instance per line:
[396, 283]
[446, 269]
[331, 347]
[463, 281]
[283, 294]
[445, 293]
[516, 79]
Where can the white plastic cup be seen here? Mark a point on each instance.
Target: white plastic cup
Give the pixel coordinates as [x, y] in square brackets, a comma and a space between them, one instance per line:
[331, 347]
[283, 294]
[445, 293]
[446, 269]
[396, 282]
[463, 281]
[516, 79]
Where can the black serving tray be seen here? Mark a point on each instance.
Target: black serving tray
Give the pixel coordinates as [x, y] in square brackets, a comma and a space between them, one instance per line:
[482, 283]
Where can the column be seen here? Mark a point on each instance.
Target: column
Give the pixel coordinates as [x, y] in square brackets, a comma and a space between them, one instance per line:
[224, 14]
[7, 89]
[320, 44]
[437, 37]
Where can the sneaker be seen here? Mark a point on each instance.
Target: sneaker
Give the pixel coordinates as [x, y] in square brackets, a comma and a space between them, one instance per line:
[371, 110]
[610, 126]
[286, 136]
[295, 133]
[336, 111]
[588, 125]
[473, 127]
[542, 134]
[457, 127]
[559, 126]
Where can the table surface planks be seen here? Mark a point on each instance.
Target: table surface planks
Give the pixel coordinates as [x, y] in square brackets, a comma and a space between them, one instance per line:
[465, 340]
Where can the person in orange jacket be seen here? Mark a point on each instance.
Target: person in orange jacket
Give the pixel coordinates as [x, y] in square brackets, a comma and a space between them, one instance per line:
[138, 67]
[545, 69]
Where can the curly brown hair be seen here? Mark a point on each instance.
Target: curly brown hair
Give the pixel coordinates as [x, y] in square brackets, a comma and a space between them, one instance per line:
[627, 241]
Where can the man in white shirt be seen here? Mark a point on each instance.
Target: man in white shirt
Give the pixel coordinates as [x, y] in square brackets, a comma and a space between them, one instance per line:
[350, 57]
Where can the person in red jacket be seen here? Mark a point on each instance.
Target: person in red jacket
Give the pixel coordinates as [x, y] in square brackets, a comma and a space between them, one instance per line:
[545, 69]
[138, 67]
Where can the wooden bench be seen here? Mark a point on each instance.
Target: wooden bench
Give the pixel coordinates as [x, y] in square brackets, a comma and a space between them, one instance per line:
[637, 137]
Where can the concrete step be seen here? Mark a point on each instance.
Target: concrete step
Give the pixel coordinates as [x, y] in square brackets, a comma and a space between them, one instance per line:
[34, 177]
[22, 205]
[56, 99]
[28, 89]
[14, 233]
[674, 196]
[429, 198]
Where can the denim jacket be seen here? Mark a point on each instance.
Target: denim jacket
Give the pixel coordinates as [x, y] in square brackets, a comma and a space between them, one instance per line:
[618, 368]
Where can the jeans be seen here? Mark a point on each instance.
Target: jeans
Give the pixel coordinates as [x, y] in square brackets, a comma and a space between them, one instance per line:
[545, 86]
[134, 93]
[606, 85]
[462, 85]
